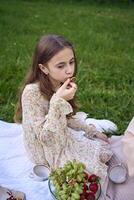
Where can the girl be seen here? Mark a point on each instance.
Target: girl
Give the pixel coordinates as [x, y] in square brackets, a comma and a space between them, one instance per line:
[52, 132]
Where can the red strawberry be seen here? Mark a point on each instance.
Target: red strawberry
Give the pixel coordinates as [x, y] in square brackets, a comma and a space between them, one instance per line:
[93, 178]
[90, 196]
[93, 187]
[85, 188]
[82, 197]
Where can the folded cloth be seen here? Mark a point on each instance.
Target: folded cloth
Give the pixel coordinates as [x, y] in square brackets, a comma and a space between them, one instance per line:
[9, 194]
[128, 147]
[102, 125]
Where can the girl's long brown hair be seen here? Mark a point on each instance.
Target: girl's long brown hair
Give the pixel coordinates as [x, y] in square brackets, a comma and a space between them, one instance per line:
[46, 48]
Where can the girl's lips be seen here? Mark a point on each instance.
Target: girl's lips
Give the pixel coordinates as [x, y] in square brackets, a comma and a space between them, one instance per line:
[72, 79]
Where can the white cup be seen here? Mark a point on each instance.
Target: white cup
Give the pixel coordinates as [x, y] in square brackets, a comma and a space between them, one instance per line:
[40, 173]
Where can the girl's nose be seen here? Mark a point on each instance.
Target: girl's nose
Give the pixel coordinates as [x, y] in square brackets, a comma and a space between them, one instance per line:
[69, 69]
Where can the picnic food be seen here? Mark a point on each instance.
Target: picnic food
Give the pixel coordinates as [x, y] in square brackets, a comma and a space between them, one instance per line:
[72, 79]
[10, 194]
[73, 182]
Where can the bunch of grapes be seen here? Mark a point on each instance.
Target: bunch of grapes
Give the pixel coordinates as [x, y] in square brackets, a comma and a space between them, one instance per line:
[72, 182]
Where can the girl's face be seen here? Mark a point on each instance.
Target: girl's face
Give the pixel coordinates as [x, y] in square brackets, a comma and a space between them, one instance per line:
[61, 67]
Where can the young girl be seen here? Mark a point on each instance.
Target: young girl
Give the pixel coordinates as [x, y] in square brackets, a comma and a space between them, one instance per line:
[52, 132]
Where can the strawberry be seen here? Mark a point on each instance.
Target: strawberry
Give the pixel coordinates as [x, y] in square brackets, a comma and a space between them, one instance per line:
[93, 178]
[85, 188]
[93, 187]
[82, 197]
[90, 196]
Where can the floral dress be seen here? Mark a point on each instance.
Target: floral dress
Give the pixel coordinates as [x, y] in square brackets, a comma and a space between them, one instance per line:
[52, 139]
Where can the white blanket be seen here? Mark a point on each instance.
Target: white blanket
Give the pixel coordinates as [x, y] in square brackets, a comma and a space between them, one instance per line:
[15, 167]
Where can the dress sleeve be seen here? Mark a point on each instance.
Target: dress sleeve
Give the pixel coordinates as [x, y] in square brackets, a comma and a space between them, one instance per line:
[90, 132]
[77, 124]
[56, 118]
[42, 117]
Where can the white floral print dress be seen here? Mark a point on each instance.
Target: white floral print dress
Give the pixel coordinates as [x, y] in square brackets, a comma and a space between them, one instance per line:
[52, 139]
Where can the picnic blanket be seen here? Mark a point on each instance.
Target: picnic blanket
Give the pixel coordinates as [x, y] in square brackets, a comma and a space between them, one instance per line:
[15, 166]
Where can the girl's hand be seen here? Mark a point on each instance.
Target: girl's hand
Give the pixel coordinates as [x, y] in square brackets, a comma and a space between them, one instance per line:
[67, 90]
[102, 136]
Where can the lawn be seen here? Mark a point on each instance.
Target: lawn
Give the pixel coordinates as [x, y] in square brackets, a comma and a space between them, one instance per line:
[103, 35]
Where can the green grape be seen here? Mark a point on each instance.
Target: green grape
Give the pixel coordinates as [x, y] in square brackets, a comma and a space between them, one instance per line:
[75, 196]
[75, 168]
[67, 168]
[58, 187]
[64, 186]
[69, 163]
[78, 188]
[79, 178]
[72, 198]
[80, 169]
[82, 165]
[60, 193]
[76, 185]
[63, 192]
[68, 181]
[64, 197]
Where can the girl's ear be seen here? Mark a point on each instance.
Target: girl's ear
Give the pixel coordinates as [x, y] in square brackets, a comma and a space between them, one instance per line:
[44, 69]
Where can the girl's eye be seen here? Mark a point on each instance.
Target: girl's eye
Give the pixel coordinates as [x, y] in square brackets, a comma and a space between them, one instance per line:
[72, 62]
[60, 66]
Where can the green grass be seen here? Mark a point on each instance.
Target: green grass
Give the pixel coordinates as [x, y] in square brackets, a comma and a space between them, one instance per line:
[103, 35]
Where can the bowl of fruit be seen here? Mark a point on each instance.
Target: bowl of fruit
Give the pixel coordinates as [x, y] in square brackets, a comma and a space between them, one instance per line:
[74, 182]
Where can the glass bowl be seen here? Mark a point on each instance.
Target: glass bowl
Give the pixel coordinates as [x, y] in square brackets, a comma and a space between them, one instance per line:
[52, 190]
